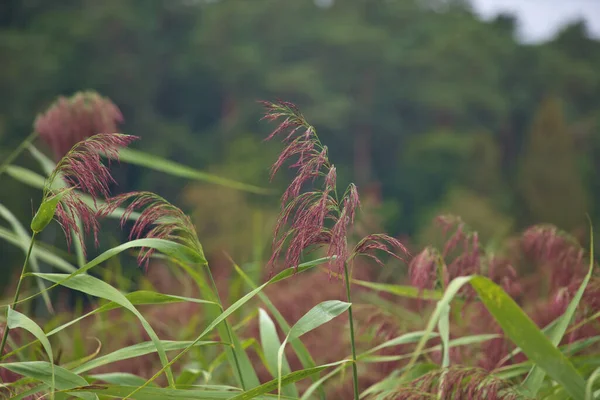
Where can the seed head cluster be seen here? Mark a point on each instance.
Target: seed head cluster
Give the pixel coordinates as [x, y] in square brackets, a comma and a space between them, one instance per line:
[71, 120]
[83, 171]
[314, 217]
[159, 219]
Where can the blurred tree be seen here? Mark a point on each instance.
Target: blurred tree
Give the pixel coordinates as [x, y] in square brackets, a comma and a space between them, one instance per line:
[550, 183]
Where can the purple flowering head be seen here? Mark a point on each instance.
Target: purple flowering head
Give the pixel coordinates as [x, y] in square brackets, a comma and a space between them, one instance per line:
[314, 218]
[423, 269]
[71, 120]
[456, 383]
[83, 171]
[557, 252]
[373, 244]
[158, 219]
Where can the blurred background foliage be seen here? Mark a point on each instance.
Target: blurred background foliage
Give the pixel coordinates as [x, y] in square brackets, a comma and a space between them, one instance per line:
[423, 104]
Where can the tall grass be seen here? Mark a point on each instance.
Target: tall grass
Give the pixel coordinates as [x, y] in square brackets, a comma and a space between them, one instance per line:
[468, 325]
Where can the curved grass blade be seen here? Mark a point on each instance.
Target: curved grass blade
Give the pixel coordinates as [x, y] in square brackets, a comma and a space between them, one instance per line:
[141, 297]
[270, 345]
[45, 163]
[44, 252]
[285, 380]
[401, 290]
[301, 351]
[172, 168]
[119, 378]
[535, 378]
[137, 350]
[95, 287]
[315, 317]
[525, 334]
[153, 393]
[48, 373]
[517, 326]
[24, 240]
[18, 320]
[235, 306]
[168, 248]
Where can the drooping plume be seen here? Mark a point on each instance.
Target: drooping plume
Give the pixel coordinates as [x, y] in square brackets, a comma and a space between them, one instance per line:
[315, 217]
[71, 120]
[159, 219]
[82, 170]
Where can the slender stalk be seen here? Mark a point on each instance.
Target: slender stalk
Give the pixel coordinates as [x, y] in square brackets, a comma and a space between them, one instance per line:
[227, 327]
[17, 151]
[352, 342]
[17, 292]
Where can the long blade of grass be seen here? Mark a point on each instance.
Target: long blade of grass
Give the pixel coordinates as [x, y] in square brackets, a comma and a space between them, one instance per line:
[48, 373]
[172, 168]
[517, 326]
[315, 317]
[42, 252]
[168, 248]
[24, 240]
[18, 320]
[235, 306]
[287, 379]
[270, 344]
[525, 334]
[535, 378]
[410, 292]
[45, 163]
[95, 287]
[137, 350]
[301, 351]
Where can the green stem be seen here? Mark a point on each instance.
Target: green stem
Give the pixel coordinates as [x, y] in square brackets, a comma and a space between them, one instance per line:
[8, 160]
[352, 342]
[17, 292]
[227, 327]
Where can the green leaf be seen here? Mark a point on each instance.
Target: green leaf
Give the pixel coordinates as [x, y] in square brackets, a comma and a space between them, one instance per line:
[411, 337]
[50, 374]
[24, 239]
[270, 344]
[152, 393]
[137, 350]
[315, 317]
[174, 169]
[95, 287]
[517, 326]
[119, 378]
[171, 249]
[289, 378]
[17, 320]
[589, 387]
[26, 176]
[535, 378]
[47, 164]
[301, 351]
[401, 290]
[235, 306]
[525, 334]
[45, 213]
[444, 328]
[40, 251]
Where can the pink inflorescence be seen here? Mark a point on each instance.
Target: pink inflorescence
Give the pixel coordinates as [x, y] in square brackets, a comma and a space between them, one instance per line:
[159, 220]
[82, 169]
[71, 120]
[316, 218]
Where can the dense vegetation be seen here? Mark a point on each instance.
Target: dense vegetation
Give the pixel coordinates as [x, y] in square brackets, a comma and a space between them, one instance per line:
[477, 155]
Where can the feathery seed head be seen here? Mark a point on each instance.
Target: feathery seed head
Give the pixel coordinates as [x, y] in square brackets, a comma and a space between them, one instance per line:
[159, 220]
[71, 120]
[83, 171]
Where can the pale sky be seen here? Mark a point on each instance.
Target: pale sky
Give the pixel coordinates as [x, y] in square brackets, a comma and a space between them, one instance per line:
[540, 19]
